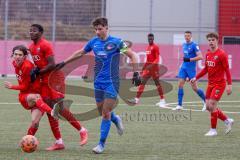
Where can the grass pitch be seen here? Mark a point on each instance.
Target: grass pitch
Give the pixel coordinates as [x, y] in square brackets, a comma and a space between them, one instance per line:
[150, 133]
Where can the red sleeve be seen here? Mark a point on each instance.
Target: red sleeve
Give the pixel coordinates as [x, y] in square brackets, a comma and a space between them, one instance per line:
[157, 53]
[26, 79]
[48, 50]
[203, 71]
[226, 68]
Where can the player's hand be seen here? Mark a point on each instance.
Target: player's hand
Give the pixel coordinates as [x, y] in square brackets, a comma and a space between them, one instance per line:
[136, 80]
[229, 89]
[8, 84]
[186, 59]
[60, 65]
[34, 73]
[193, 80]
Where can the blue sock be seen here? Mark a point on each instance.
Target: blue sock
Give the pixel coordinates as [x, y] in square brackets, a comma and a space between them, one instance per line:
[180, 96]
[201, 94]
[114, 118]
[104, 130]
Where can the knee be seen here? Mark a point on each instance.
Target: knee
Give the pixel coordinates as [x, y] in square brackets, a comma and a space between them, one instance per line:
[106, 114]
[211, 106]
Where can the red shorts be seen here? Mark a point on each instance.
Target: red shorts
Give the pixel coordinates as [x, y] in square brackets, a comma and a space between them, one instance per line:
[23, 100]
[154, 73]
[215, 91]
[49, 93]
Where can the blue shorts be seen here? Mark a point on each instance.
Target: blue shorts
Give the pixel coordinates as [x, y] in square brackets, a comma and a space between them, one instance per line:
[105, 90]
[186, 73]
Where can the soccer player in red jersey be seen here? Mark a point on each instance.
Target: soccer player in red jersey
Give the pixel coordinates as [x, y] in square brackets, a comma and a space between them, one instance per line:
[43, 57]
[28, 96]
[150, 69]
[216, 65]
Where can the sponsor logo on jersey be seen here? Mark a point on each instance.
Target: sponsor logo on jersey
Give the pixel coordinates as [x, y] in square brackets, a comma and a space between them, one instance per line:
[36, 58]
[211, 63]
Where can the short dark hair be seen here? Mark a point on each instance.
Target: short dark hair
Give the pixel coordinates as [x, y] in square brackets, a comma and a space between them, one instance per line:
[188, 32]
[150, 35]
[21, 48]
[212, 35]
[40, 28]
[100, 21]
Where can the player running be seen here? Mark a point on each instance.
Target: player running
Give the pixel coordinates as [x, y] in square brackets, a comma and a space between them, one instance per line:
[29, 92]
[106, 49]
[187, 70]
[150, 69]
[43, 57]
[216, 65]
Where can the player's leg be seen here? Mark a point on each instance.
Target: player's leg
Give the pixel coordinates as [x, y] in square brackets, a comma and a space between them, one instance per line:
[64, 112]
[182, 75]
[216, 96]
[36, 115]
[200, 92]
[36, 100]
[141, 87]
[155, 77]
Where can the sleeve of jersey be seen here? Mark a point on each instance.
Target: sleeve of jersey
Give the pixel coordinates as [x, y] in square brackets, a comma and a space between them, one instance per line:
[26, 80]
[197, 49]
[48, 50]
[157, 53]
[88, 46]
[202, 72]
[226, 68]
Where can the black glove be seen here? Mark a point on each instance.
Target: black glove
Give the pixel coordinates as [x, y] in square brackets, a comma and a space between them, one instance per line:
[186, 59]
[136, 80]
[60, 65]
[34, 73]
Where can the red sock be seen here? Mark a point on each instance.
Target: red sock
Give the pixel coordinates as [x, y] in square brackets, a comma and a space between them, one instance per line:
[214, 116]
[43, 106]
[140, 90]
[32, 131]
[160, 91]
[54, 127]
[70, 118]
[221, 115]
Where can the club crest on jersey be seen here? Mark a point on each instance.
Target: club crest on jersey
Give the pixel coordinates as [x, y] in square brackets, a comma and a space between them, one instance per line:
[215, 57]
[110, 46]
[36, 58]
[38, 49]
[217, 92]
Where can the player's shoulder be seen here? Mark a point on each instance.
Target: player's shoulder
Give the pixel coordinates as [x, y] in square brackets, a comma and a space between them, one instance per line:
[27, 64]
[114, 38]
[43, 42]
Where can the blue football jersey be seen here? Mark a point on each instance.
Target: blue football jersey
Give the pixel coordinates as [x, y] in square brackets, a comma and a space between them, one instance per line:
[107, 55]
[190, 51]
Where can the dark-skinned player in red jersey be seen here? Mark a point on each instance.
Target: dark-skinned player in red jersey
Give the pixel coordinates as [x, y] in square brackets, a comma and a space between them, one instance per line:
[29, 96]
[150, 69]
[216, 66]
[43, 57]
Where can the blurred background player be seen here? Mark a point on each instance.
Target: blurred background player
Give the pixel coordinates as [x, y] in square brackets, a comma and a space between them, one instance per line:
[29, 92]
[187, 70]
[150, 69]
[43, 57]
[216, 65]
[106, 49]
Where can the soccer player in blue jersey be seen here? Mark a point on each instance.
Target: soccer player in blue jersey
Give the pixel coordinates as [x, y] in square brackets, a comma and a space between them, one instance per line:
[106, 49]
[187, 70]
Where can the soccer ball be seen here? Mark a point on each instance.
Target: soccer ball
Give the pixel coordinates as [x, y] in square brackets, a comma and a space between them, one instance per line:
[29, 143]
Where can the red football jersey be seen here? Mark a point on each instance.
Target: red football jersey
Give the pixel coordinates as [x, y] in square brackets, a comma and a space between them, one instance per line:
[152, 55]
[40, 52]
[24, 79]
[216, 65]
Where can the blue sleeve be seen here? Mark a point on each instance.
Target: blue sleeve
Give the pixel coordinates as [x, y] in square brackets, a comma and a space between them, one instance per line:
[196, 48]
[88, 46]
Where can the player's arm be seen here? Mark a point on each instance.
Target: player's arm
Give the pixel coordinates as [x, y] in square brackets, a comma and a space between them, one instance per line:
[198, 57]
[228, 74]
[25, 81]
[200, 74]
[76, 55]
[50, 66]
